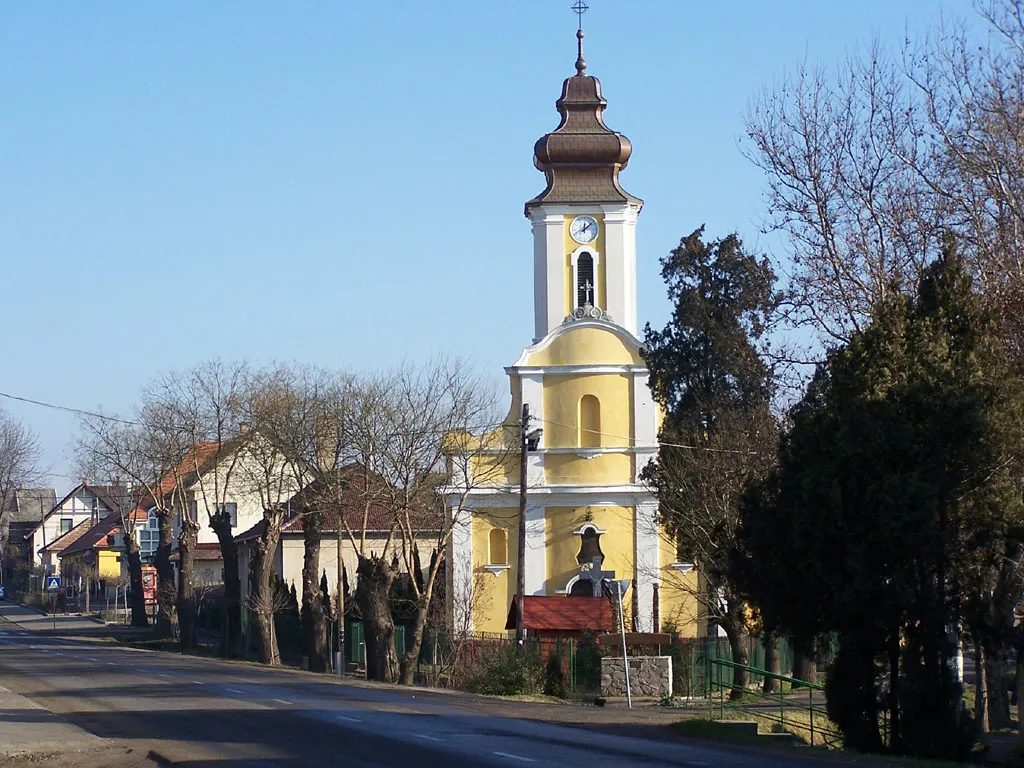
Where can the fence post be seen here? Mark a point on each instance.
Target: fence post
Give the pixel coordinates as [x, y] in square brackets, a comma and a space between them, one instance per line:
[810, 710]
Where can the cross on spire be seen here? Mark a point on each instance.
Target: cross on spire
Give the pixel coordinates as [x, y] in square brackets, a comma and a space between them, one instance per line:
[579, 8]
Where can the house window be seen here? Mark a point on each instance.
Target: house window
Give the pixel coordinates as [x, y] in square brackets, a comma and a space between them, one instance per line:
[149, 536]
[66, 524]
[585, 285]
[589, 422]
[231, 510]
[498, 544]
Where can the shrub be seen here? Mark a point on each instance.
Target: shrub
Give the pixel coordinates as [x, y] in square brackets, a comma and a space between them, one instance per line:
[508, 670]
[554, 678]
[588, 663]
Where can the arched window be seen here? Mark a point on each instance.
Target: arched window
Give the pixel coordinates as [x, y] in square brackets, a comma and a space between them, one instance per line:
[498, 544]
[590, 545]
[589, 422]
[586, 288]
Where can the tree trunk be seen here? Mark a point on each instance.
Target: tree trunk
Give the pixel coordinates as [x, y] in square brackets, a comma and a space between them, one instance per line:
[231, 624]
[805, 667]
[414, 643]
[740, 655]
[139, 618]
[375, 579]
[186, 587]
[980, 692]
[1020, 697]
[313, 615]
[996, 686]
[166, 589]
[264, 608]
[895, 737]
[772, 662]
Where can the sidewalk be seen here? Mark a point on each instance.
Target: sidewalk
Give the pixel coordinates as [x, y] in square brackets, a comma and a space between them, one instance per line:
[27, 727]
[71, 625]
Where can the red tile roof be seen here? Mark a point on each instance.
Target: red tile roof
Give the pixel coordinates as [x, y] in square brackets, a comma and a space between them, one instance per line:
[353, 504]
[96, 537]
[556, 613]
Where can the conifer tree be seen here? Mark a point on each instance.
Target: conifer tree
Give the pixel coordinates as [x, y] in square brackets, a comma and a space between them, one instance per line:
[719, 434]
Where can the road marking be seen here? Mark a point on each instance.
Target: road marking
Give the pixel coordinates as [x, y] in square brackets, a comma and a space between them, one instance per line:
[92, 659]
[520, 758]
[198, 682]
[236, 691]
[111, 663]
[163, 674]
[349, 719]
[282, 701]
[425, 736]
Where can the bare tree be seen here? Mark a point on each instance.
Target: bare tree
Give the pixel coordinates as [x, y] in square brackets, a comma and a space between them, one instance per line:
[270, 405]
[19, 466]
[305, 422]
[200, 407]
[120, 450]
[843, 152]
[433, 462]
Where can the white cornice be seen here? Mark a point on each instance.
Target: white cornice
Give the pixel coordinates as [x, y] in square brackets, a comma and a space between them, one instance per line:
[567, 370]
[557, 496]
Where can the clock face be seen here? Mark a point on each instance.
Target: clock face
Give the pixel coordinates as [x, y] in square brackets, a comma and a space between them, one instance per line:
[583, 229]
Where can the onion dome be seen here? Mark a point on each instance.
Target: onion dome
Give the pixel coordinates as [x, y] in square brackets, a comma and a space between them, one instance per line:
[582, 157]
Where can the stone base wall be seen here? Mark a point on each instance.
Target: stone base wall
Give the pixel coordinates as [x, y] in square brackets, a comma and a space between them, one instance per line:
[648, 676]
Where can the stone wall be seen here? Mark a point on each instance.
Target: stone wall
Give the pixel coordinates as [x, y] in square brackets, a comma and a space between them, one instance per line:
[648, 676]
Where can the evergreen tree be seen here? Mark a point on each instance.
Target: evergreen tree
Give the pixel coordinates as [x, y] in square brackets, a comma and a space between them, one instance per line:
[719, 434]
[894, 462]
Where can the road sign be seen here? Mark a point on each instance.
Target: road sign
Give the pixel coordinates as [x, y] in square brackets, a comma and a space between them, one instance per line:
[53, 583]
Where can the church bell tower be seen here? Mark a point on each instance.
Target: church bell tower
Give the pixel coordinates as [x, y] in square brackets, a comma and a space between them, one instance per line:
[584, 222]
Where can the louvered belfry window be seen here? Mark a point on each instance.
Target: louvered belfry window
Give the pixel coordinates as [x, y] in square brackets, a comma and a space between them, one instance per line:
[585, 288]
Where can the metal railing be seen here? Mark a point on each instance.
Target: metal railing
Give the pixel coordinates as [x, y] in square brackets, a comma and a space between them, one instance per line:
[755, 701]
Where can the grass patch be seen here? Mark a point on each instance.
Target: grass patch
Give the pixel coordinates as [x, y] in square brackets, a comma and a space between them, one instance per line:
[702, 728]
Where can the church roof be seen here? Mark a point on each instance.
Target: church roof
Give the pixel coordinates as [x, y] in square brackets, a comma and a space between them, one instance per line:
[548, 613]
[582, 157]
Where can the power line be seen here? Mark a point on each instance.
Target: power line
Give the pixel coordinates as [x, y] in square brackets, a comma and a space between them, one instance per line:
[69, 409]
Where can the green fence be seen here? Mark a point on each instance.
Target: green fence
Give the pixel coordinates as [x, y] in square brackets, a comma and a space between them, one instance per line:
[792, 708]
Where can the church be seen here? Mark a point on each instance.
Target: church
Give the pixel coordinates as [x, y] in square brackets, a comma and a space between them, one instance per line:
[593, 424]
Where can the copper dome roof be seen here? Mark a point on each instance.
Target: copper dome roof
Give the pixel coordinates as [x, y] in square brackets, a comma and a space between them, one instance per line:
[582, 157]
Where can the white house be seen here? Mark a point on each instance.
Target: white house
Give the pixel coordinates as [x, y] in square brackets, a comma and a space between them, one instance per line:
[83, 503]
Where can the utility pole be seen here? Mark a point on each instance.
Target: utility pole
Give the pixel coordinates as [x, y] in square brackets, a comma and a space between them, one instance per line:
[521, 558]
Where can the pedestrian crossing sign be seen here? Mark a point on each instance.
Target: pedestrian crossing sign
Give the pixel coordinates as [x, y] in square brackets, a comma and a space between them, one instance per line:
[53, 583]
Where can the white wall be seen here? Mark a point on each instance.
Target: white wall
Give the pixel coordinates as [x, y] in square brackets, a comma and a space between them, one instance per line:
[78, 508]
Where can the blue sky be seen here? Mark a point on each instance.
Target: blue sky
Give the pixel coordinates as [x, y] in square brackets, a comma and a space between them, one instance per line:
[342, 183]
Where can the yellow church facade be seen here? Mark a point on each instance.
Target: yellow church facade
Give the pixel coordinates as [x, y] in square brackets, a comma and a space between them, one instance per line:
[594, 421]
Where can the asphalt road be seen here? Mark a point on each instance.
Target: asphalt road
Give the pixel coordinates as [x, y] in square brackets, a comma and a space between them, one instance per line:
[202, 712]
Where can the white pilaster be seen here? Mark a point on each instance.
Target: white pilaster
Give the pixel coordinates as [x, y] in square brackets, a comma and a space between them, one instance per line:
[462, 570]
[645, 422]
[620, 264]
[548, 271]
[536, 559]
[647, 572]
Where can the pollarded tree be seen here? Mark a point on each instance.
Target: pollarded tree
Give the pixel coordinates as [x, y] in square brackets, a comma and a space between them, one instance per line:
[719, 434]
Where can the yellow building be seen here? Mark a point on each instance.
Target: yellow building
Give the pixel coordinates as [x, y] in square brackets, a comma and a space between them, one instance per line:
[586, 386]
